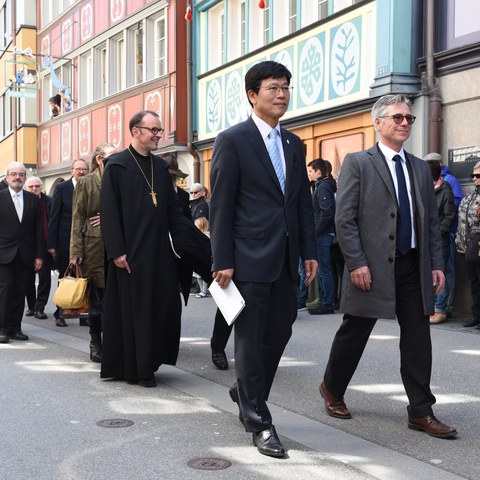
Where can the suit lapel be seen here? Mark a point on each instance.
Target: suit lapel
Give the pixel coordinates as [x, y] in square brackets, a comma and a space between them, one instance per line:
[381, 166]
[289, 154]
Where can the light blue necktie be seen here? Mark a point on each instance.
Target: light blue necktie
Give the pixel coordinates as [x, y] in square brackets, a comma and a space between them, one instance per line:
[275, 157]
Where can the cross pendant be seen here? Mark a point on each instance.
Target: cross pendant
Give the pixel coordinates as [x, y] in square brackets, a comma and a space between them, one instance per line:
[154, 198]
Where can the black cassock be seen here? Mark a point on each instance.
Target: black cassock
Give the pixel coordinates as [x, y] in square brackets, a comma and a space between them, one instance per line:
[142, 309]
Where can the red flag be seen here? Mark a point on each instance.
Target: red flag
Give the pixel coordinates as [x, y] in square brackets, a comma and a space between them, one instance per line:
[188, 14]
[261, 4]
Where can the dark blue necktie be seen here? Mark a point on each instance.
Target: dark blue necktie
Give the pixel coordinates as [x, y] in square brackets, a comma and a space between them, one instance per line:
[404, 225]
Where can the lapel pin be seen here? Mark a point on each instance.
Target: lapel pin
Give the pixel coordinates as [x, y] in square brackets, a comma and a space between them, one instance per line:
[288, 141]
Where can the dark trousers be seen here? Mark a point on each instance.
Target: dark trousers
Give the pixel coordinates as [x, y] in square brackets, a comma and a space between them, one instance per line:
[473, 273]
[415, 343]
[13, 286]
[38, 298]
[262, 331]
[221, 333]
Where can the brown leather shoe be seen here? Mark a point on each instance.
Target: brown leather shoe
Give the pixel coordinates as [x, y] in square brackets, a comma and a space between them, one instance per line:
[432, 426]
[335, 407]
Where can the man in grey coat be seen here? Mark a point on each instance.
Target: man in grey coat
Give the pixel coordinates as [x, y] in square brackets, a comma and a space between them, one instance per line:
[387, 227]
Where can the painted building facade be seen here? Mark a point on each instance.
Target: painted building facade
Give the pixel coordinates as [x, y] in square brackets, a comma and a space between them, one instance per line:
[108, 59]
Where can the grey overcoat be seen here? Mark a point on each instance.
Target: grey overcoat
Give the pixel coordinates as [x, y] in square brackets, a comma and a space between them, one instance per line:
[366, 225]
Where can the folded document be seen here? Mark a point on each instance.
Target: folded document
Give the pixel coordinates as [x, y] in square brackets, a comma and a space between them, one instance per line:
[229, 300]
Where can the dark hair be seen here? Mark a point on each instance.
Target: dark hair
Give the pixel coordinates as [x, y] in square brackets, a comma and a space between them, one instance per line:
[329, 167]
[436, 167]
[137, 118]
[319, 164]
[56, 99]
[262, 70]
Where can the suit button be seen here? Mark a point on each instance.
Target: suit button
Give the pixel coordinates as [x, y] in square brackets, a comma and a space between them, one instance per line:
[390, 260]
[392, 214]
[391, 237]
[286, 233]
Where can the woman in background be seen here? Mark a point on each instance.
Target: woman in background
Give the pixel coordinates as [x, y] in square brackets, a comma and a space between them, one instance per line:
[86, 244]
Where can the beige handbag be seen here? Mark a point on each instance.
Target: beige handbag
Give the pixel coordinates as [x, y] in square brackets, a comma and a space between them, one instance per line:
[72, 291]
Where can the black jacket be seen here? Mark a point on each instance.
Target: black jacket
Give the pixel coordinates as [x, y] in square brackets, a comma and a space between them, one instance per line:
[323, 199]
[446, 211]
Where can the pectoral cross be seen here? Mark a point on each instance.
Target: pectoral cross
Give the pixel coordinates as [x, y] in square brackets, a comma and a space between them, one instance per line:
[154, 198]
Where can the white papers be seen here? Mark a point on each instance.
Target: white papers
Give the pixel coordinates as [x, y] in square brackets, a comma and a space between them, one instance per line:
[229, 300]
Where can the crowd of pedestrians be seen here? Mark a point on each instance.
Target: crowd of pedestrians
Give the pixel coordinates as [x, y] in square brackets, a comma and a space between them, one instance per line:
[375, 244]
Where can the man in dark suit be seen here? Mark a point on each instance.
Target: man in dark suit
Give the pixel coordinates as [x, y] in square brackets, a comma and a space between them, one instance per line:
[38, 298]
[21, 250]
[60, 223]
[387, 227]
[261, 222]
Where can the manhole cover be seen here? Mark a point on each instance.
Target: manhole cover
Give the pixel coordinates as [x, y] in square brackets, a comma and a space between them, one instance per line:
[209, 463]
[115, 423]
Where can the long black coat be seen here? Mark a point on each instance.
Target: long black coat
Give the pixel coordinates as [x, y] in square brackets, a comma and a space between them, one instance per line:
[143, 308]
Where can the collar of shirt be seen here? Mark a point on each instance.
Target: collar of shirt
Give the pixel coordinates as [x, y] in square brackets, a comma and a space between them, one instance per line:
[13, 193]
[389, 153]
[264, 127]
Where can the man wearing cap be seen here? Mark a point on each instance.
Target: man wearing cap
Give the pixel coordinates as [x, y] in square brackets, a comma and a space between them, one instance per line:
[175, 174]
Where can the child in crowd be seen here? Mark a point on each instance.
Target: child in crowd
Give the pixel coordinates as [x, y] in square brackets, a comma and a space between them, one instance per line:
[202, 224]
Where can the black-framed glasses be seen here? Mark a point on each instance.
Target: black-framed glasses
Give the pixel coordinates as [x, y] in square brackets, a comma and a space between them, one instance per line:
[153, 130]
[398, 119]
[195, 192]
[475, 175]
[275, 89]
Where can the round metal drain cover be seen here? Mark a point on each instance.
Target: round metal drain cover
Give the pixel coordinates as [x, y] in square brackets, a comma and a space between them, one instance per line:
[115, 423]
[209, 463]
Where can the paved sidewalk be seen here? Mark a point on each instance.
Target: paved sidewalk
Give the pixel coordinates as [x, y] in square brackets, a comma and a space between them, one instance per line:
[52, 398]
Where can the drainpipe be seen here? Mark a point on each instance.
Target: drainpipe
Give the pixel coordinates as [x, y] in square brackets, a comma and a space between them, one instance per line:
[191, 149]
[14, 103]
[433, 90]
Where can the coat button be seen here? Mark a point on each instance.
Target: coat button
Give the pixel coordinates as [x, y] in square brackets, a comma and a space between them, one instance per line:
[391, 237]
[390, 260]
[392, 214]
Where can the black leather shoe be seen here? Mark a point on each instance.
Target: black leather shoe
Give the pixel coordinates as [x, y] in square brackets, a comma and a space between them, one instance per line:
[472, 323]
[84, 322]
[41, 315]
[268, 443]
[234, 396]
[147, 382]
[29, 313]
[219, 359]
[60, 322]
[18, 336]
[4, 338]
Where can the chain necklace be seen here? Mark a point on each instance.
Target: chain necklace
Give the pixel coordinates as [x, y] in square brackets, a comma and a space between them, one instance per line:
[150, 185]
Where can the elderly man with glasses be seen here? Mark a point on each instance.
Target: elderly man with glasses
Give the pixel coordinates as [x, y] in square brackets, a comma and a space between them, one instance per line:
[38, 298]
[60, 224]
[21, 250]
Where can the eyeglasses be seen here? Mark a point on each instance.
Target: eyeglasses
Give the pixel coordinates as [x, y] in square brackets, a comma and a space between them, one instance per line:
[79, 169]
[14, 174]
[153, 130]
[275, 89]
[398, 119]
[34, 186]
[475, 175]
[194, 193]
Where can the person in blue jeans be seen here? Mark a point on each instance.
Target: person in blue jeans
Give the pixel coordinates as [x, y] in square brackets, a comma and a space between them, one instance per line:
[444, 300]
[323, 198]
[446, 217]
